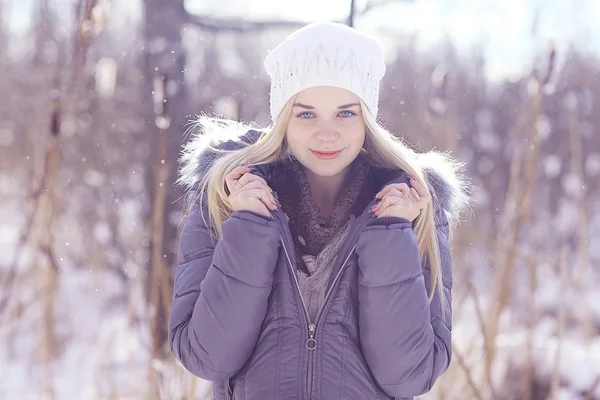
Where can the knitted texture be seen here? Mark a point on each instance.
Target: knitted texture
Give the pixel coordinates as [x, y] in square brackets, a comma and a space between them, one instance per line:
[325, 54]
[314, 283]
[310, 231]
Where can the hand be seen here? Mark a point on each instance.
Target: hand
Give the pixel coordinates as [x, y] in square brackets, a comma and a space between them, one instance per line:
[248, 192]
[400, 200]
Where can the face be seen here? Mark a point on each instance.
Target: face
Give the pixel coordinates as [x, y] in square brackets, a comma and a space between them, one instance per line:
[326, 130]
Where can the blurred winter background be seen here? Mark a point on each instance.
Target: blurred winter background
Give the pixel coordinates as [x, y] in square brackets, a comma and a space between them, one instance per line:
[97, 97]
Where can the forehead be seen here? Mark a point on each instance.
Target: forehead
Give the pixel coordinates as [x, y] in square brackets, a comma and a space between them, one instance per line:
[326, 96]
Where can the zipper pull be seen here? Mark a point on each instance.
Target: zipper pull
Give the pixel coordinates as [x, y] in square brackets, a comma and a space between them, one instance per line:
[311, 343]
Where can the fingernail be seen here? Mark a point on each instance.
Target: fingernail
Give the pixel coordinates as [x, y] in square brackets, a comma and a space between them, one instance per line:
[278, 203]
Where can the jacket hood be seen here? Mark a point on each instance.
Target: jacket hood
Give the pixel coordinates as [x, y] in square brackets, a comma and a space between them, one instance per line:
[444, 174]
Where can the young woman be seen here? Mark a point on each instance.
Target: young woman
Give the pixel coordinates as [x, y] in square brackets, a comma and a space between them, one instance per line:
[314, 262]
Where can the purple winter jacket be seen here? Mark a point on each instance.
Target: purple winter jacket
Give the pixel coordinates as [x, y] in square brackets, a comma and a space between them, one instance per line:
[238, 318]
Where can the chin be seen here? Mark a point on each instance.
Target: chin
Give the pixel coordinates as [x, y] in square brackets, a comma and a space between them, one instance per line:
[327, 172]
[328, 169]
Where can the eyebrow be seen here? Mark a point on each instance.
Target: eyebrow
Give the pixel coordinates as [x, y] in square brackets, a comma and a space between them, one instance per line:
[342, 107]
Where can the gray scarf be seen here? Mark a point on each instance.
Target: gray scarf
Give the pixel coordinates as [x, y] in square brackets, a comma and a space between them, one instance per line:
[317, 240]
[313, 284]
[310, 231]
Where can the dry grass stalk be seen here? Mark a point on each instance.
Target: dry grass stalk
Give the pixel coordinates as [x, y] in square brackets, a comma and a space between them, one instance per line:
[532, 162]
[503, 270]
[131, 315]
[527, 377]
[467, 372]
[524, 222]
[48, 340]
[486, 338]
[583, 271]
[36, 234]
[159, 285]
[193, 388]
[518, 215]
[590, 395]
[564, 286]
[26, 236]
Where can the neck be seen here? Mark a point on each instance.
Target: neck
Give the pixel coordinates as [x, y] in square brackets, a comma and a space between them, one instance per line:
[326, 190]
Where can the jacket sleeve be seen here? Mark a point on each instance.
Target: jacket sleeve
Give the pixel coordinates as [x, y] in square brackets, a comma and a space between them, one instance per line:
[220, 292]
[405, 340]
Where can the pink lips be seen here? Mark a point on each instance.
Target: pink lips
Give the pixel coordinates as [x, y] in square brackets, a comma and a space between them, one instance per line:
[326, 155]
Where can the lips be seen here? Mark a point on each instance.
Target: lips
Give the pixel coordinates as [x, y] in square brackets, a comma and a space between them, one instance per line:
[326, 154]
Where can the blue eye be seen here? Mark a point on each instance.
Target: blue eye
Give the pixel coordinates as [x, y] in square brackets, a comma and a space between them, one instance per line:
[305, 115]
[347, 114]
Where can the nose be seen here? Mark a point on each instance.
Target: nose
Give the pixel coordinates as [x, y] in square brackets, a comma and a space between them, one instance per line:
[328, 135]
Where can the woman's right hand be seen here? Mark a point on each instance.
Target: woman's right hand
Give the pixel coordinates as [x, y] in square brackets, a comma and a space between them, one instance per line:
[248, 192]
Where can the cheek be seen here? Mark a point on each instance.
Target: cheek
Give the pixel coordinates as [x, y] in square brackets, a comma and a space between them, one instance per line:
[356, 135]
[294, 138]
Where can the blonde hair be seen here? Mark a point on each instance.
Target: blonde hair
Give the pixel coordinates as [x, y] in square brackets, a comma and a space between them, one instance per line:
[383, 149]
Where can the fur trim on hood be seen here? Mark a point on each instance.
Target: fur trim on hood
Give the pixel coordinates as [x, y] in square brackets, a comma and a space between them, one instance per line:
[444, 175]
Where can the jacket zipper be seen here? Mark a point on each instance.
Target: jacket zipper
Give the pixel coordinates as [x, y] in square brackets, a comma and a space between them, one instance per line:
[311, 345]
[311, 342]
[330, 291]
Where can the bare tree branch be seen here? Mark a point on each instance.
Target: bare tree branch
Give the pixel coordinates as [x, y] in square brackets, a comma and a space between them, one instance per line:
[241, 25]
[238, 25]
[374, 4]
[352, 13]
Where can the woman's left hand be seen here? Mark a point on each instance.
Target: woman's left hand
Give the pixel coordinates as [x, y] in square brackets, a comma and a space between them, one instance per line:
[400, 200]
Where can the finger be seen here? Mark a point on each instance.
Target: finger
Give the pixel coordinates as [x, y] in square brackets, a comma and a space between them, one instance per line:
[388, 201]
[256, 194]
[237, 172]
[249, 177]
[399, 186]
[232, 177]
[244, 180]
[386, 190]
[422, 191]
[400, 193]
[263, 195]
[268, 200]
[257, 184]
[422, 201]
[415, 194]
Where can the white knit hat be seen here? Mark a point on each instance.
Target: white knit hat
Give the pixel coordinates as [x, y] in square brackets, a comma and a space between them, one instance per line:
[325, 54]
